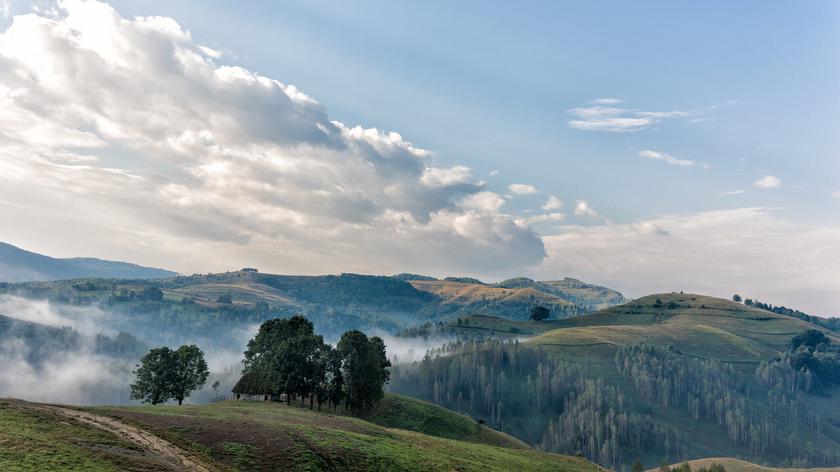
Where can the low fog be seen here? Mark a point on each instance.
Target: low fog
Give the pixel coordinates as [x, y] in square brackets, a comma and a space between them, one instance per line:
[61, 364]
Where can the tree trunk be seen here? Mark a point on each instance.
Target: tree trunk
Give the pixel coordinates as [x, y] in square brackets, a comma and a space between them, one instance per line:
[311, 399]
[180, 400]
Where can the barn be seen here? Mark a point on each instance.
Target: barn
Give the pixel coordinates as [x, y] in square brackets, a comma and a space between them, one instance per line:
[255, 386]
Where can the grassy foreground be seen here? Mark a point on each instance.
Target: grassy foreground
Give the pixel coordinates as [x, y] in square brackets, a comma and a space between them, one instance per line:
[267, 436]
[737, 465]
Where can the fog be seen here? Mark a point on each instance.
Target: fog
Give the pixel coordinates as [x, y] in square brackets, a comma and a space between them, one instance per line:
[64, 367]
[74, 373]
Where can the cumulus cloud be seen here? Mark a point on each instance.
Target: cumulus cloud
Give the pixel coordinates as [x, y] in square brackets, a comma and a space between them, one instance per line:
[603, 117]
[582, 208]
[553, 203]
[768, 181]
[751, 251]
[137, 132]
[665, 157]
[522, 189]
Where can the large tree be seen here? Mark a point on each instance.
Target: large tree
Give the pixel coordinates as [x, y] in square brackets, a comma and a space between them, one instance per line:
[189, 372]
[153, 376]
[364, 369]
[287, 350]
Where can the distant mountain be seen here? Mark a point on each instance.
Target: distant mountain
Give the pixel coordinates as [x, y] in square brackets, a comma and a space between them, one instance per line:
[18, 265]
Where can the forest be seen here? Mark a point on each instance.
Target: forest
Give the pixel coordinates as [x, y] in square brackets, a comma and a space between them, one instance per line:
[560, 407]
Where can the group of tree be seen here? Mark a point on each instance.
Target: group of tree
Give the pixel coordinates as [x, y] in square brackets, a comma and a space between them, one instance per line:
[812, 363]
[164, 374]
[686, 467]
[540, 313]
[295, 362]
[832, 324]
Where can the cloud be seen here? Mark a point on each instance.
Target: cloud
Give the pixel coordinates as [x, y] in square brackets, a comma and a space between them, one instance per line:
[158, 153]
[768, 181]
[752, 251]
[522, 189]
[547, 217]
[494, 172]
[553, 203]
[734, 192]
[601, 117]
[582, 208]
[835, 194]
[671, 160]
[606, 101]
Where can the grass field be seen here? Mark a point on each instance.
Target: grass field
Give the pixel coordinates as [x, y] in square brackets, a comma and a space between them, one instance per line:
[272, 436]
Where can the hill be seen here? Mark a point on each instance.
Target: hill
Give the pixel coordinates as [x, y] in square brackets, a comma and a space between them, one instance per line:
[238, 436]
[219, 306]
[737, 465]
[18, 265]
[665, 376]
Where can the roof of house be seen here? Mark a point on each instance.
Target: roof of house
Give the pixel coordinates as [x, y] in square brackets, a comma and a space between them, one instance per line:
[255, 383]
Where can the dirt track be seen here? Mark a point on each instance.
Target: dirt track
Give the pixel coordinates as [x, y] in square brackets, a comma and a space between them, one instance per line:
[168, 452]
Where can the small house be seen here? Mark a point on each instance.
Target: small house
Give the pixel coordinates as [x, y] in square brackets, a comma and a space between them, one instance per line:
[255, 386]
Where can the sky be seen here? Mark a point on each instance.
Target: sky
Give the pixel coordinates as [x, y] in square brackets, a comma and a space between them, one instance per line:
[647, 146]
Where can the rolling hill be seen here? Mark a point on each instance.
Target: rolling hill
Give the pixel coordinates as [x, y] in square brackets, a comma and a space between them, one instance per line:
[737, 465]
[18, 265]
[693, 376]
[250, 436]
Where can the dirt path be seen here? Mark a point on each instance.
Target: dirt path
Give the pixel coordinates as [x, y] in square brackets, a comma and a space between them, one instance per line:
[179, 459]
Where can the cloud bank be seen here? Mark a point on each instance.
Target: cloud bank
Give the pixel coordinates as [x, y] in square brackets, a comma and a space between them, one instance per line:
[145, 137]
[751, 251]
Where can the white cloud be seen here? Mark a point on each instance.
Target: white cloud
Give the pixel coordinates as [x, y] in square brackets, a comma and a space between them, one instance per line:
[159, 154]
[734, 192]
[522, 189]
[752, 251]
[671, 160]
[553, 203]
[835, 194]
[494, 172]
[547, 217]
[582, 208]
[606, 101]
[602, 117]
[768, 181]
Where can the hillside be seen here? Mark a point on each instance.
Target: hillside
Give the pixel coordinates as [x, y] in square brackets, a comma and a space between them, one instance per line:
[737, 465]
[692, 376]
[18, 265]
[238, 436]
[219, 306]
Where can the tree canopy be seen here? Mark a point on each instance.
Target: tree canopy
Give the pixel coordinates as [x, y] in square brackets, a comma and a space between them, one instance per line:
[164, 374]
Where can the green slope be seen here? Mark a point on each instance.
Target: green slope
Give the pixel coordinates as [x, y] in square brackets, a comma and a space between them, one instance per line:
[737, 465]
[272, 436]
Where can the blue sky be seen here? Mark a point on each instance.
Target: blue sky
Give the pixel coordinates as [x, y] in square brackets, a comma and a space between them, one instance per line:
[488, 84]
[694, 146]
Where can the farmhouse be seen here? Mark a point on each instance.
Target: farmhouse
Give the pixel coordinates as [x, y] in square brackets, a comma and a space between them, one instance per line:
[256, 387]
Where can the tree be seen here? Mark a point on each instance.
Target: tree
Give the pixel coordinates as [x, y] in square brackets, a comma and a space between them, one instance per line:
[225, 298]
[809, 338]
[637, 466]
[736, 298]
[364, 368]
[287, 351]
[540, 313]
[152, 293]
[152, 384]
[189, 372]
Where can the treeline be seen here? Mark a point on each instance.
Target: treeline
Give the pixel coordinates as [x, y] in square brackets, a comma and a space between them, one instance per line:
[811, 364]
[505, 384]
[711, 390]
[598, 421]
[290, 360]
[832, 324]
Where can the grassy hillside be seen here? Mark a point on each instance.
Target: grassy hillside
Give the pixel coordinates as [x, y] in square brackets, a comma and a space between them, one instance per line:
[681, 369]
[737, 465]
[271, 436]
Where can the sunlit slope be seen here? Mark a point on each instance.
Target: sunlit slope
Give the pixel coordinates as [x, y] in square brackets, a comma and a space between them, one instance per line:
[272, 436]
[459, 293]
[695, 324]
[737, 465]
